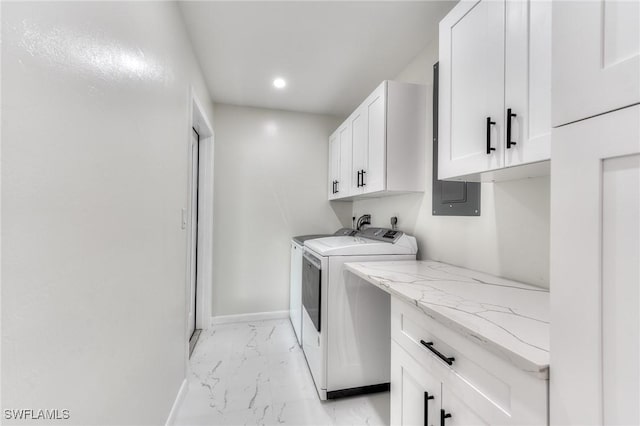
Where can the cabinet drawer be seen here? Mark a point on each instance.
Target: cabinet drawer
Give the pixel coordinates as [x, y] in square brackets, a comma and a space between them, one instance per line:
[509, 395]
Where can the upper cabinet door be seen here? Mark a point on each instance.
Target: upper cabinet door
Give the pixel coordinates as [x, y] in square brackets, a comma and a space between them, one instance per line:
[334, 164]
[471, 101]
[527, 112]
[344, 185]
[358, 122]
[596, 57]
[373, 179]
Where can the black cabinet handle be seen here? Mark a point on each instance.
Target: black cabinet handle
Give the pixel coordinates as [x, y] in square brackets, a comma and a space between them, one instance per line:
[358, 184]
[443, 416]
[510, 115]
[489, 123]
[429, 345]
[337, 183]
[333, 187]
[427, 397]
[363, 184]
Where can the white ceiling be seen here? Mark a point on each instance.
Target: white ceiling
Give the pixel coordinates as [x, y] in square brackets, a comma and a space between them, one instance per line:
[331, 53]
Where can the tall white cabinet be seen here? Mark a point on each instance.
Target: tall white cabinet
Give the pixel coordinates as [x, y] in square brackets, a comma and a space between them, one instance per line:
[595, 270]
[596, 58]
[495, 83]
[381, 144]
[595, 214]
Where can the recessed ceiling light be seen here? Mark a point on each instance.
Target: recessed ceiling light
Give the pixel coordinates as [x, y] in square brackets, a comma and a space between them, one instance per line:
[279, 83]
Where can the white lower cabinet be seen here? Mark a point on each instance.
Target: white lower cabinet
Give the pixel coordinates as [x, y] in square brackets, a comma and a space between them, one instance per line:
[415, 392]
[477, 388]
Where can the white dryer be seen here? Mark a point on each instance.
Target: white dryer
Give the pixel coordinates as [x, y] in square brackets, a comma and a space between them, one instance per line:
[295, 278]
[345, 321]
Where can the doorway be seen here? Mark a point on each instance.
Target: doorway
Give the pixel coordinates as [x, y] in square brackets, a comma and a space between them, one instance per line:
[197, 222]
[192, 330]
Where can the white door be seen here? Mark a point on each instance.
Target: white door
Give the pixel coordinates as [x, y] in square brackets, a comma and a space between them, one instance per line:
[595, 268]
[374, 179]
[596, 58]
[415, 393]
[527, 82]
[334, 165]
[193, 234]
[471, 110]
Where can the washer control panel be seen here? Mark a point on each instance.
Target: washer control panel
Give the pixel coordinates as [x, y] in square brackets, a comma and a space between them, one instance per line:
[381, 234]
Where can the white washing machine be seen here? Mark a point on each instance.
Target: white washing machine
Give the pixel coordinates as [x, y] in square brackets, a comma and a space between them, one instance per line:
[345, 320]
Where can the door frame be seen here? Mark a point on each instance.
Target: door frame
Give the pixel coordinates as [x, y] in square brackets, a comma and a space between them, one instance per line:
[204, 262]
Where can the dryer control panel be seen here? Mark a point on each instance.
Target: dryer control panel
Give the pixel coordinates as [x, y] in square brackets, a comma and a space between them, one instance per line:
[381, 234]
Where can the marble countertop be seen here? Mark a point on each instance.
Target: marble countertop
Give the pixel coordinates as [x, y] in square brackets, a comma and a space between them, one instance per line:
[509, 318]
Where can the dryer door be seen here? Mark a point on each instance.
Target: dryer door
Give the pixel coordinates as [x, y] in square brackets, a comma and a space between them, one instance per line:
[311, 287]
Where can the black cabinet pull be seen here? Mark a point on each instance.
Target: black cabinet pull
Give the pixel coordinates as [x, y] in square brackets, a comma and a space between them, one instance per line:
[333, 187]
[443, 416]
[363, 172]
[489, 123]
[337, 182]
[510, 115]
[358, 184]
[427, 397]
[429, 345]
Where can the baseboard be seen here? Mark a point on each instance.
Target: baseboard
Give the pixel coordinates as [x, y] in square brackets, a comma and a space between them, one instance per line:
[182, 392]
[258, 316]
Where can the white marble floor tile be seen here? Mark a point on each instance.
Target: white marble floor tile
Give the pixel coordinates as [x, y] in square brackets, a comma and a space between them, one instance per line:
[254, 373]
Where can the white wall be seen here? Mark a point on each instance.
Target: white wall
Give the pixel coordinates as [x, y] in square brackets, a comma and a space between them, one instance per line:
[95, 126]
[510, 238]
[270, 184]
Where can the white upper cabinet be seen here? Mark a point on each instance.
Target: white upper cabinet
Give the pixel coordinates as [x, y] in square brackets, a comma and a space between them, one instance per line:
[340, 162]
[373, 175]
[386, 139]
[527, 82]
[495, 89]
[334, 164]
[596, 57]
[358, 122]
[471, 89]
[344, 182]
